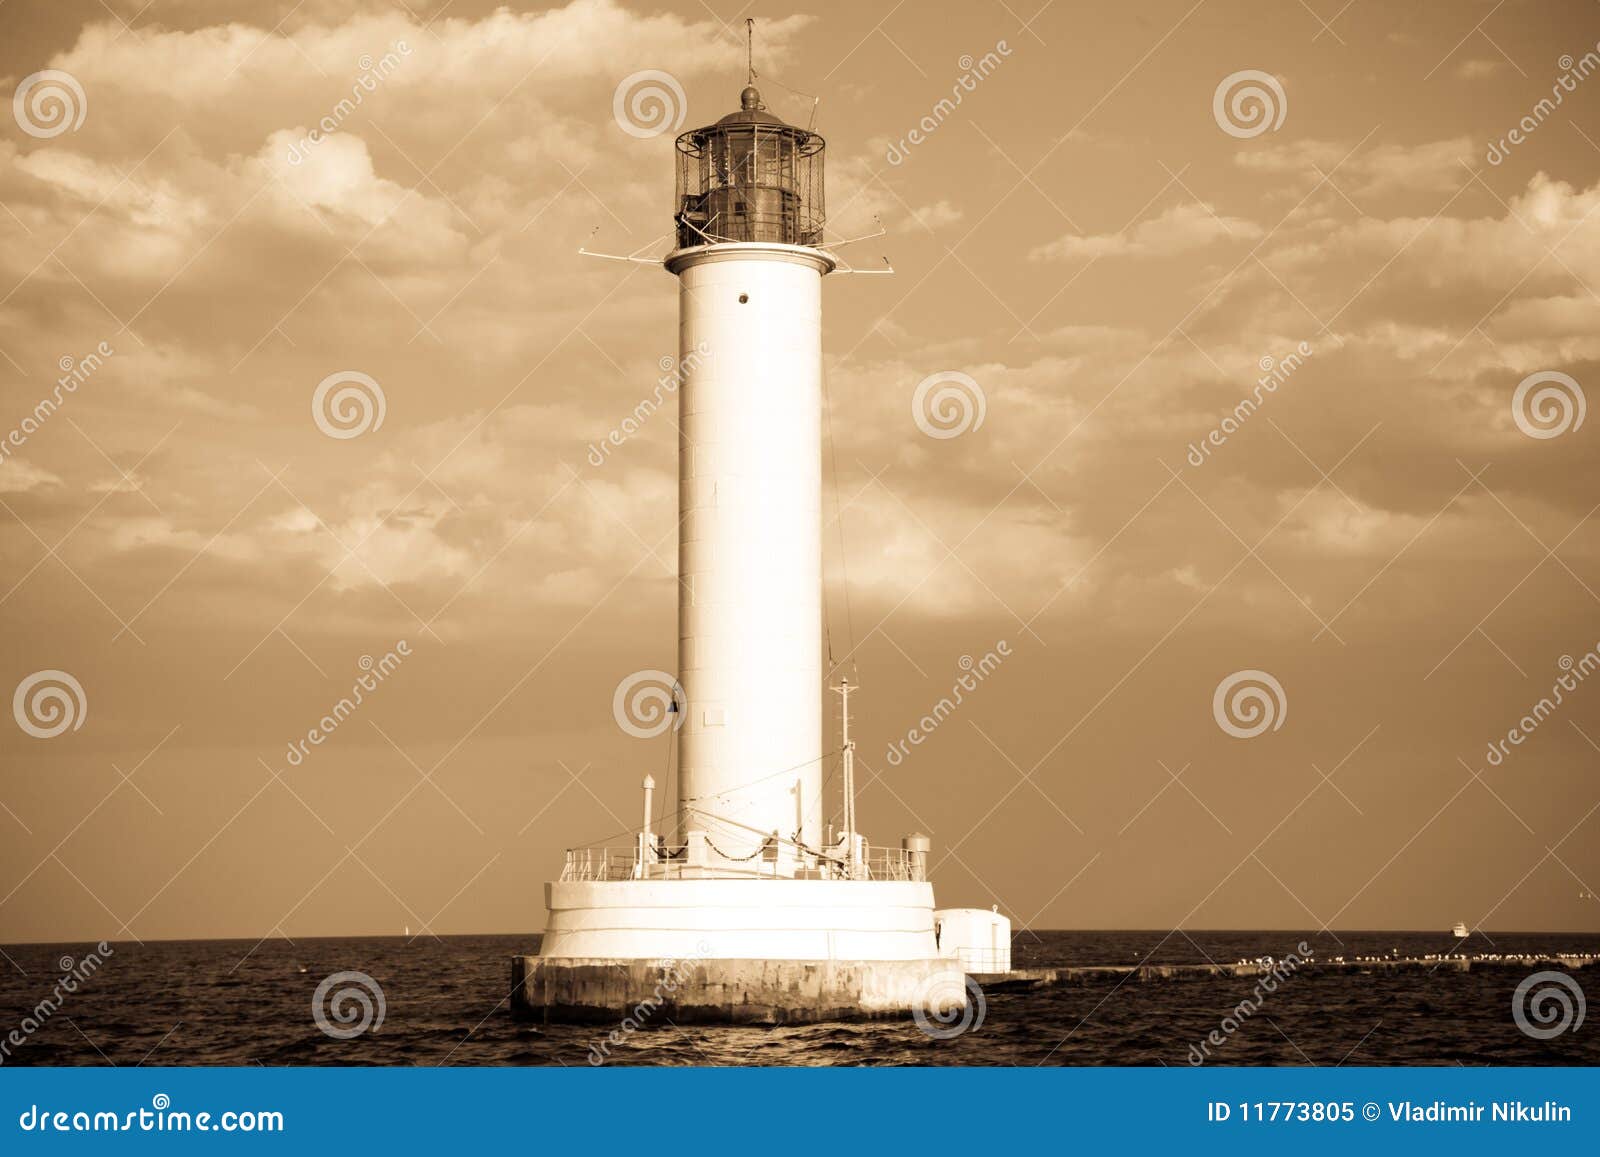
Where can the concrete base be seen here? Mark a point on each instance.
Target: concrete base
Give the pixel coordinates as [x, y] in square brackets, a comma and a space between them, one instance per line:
[723, 991]
[980, 938]
[739, 919]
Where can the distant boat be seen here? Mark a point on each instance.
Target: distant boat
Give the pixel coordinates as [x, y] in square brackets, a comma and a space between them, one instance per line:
[1460, 931]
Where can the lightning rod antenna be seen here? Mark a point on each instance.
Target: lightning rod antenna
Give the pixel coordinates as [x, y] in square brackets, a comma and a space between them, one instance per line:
[750, 48]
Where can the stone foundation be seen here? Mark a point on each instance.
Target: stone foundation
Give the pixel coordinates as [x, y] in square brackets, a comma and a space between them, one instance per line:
[732, 991]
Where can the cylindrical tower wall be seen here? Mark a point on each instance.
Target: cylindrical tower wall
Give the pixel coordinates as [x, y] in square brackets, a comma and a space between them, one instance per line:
[750, 548]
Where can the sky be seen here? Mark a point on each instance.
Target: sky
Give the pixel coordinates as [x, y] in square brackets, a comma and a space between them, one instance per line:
[1228, 395]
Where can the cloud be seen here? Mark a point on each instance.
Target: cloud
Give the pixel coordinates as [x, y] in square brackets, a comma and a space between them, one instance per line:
[1380, 171]
[1464, 254]
[939, 215]
[431, 241]
[19, 476]
[1178, 230]
[1433, 167]
[1325, 522]
[131, 534]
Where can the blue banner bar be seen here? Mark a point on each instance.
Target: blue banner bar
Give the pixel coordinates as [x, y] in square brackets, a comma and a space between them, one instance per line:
[910, 1111]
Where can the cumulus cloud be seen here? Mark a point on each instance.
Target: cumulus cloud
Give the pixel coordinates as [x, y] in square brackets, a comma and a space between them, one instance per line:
[1178, 230]
[1367, 172]
[19, 476]
[1510, 246]
[430, 240]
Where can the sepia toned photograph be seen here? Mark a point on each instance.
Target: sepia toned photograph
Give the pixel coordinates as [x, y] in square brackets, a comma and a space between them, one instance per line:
[661, 533]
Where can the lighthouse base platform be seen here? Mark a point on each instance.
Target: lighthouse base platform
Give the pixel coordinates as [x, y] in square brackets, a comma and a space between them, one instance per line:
[758, 992]
[738, 951]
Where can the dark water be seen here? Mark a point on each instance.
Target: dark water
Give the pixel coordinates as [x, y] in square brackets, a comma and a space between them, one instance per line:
[234, 1002]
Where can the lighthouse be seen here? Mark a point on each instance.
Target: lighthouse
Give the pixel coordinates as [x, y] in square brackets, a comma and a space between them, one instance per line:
[750, 905]
[750, 263]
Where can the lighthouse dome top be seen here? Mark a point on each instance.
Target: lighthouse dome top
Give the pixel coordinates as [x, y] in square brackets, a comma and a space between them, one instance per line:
[751, 111]
[750, 177]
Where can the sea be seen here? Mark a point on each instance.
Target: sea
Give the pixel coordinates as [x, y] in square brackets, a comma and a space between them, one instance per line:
[444, 1001]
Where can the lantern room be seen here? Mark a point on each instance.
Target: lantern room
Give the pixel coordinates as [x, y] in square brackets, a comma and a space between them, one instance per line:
[749, 177]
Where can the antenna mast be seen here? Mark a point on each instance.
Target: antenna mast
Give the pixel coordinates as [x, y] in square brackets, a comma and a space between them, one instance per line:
[750, 47]
[851, 859]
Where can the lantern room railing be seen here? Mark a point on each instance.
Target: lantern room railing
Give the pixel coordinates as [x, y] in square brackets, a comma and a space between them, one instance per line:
[750, 181]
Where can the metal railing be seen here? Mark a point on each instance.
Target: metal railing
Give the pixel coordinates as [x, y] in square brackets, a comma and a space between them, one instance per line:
[984, 959]
[619, 864]
[599, 864]
[671, 863]
[893, 864]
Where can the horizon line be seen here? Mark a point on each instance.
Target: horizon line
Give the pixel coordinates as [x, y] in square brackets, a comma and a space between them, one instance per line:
[479, 935]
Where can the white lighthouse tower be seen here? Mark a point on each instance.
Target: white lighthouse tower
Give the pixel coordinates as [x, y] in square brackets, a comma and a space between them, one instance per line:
[748, 908]
[750, 267]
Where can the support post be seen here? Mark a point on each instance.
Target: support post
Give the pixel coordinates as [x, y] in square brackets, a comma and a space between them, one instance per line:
[852, 857]
[645, 851]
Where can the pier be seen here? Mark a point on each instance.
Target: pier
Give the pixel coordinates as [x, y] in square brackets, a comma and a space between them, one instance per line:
[1024, 979]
